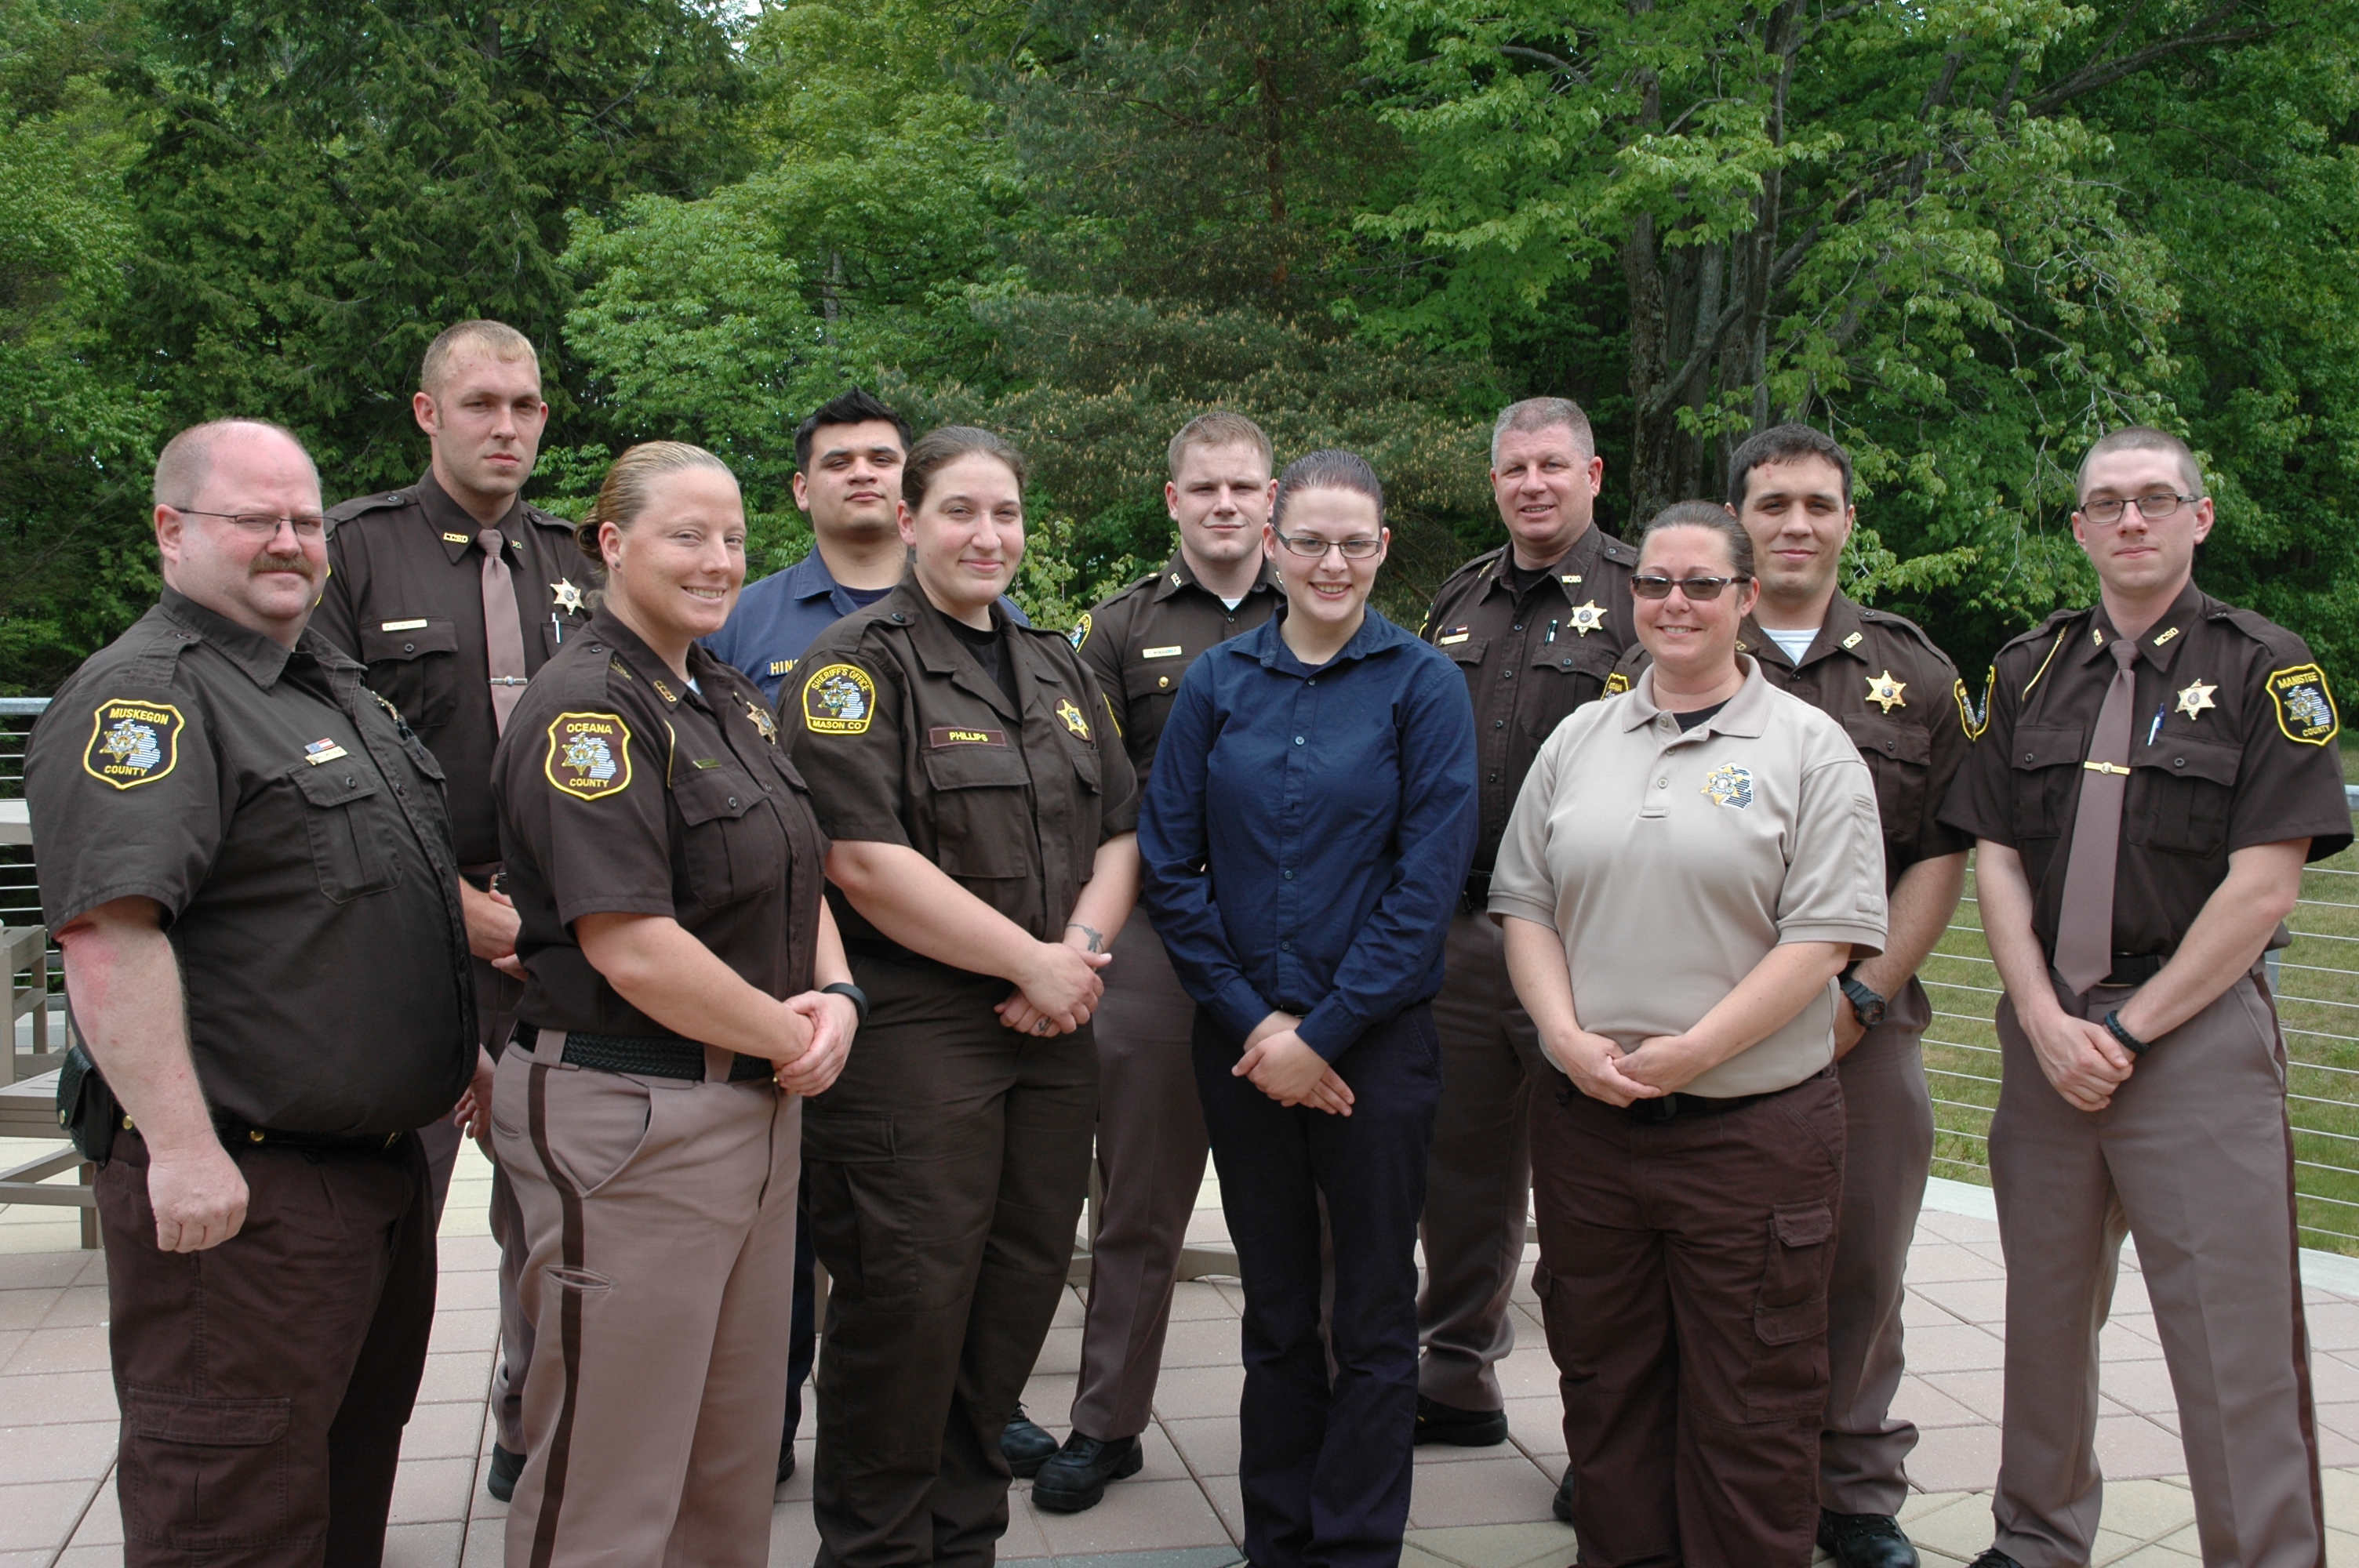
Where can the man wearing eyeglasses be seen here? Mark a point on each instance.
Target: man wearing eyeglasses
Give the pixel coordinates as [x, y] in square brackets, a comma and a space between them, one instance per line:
[1536, 626]
[2158, 769]
[454, 592]
[1898, 697]
[245, 859]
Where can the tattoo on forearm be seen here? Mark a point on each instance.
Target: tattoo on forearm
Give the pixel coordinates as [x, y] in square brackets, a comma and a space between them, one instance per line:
[1097, 937]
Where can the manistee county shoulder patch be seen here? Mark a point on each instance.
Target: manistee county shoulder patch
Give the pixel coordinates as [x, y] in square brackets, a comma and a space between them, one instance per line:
[2306, 710]
[589, 754]
[1080, 632]
[133, 744]
[839, 699]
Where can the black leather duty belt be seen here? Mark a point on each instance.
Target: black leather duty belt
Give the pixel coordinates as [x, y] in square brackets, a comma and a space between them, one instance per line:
[1682, 1106]
[236, 1134]
[2134, 968]
[654, 1056]
[1474, 898]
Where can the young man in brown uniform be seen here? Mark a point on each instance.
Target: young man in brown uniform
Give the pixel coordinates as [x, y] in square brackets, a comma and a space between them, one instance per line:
[450, 631]
[1151, 1141]
[1536, 626]
[247, 861]
[1899, 699]
[2156, 771]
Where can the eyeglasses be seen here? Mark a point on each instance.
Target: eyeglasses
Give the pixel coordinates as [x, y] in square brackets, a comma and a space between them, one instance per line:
[1312, 548]
[1696, 588]
[2107, 511]
[261, 524]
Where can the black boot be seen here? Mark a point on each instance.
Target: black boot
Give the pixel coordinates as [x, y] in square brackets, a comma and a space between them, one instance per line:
[1562, 1505]
[505, 1468]
[1075, 1477]
[1439, 1422]
[785, 1463]
[1995, 1558]
[1024, 1445]
[1866, 1541]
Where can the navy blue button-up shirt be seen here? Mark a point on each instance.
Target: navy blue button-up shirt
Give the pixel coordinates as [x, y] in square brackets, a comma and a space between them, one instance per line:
[1307, 831]
[777, 618]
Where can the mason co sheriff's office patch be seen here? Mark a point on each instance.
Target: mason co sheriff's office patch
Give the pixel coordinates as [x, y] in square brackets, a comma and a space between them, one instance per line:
[589, 754]
[839, 699]
[2305, 707]
[133, 742]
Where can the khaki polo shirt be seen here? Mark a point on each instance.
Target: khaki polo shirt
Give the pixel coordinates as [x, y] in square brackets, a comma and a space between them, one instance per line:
[1670, 864]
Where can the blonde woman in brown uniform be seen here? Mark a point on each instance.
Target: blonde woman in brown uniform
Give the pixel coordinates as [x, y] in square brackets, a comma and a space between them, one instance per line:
[666, 867]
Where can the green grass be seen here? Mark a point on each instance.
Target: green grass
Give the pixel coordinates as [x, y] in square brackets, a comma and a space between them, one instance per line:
[2320, 1008]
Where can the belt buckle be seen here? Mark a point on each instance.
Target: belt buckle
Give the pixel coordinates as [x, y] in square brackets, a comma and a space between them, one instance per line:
[1661, 1110]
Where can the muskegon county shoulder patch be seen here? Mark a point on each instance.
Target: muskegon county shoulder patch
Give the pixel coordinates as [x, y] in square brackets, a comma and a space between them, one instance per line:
[133, 744]
[839, 699]
[2306, 710]
[589, 754]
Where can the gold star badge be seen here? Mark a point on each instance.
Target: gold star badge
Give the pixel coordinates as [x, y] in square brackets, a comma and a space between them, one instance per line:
[1072, 717]
[569, 598]
[762, 721]
[2196, 698]
[1586, 618]
[1884, 689]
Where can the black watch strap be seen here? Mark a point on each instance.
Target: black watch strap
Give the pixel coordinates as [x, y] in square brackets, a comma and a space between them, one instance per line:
[859, 998]
[1866, 1003]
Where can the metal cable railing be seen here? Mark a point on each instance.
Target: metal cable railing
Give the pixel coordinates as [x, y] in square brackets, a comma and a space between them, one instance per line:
[2317, 987]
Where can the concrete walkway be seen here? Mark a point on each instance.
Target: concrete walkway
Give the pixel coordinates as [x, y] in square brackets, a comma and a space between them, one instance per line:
[1473, 1508]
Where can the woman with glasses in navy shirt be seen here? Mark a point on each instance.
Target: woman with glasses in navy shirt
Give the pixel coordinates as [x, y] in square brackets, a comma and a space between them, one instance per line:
[1305, 836]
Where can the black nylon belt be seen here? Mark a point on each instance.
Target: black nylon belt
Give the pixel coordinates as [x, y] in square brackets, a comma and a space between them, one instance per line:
[656, 1057]
[236, 1134]
[1682, 1106]
[2134, 968]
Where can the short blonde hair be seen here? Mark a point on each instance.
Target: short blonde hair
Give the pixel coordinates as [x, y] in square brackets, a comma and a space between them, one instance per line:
[1218, 428]
[187, 459]
[2142, 439]
[496, 338]
[625, 492]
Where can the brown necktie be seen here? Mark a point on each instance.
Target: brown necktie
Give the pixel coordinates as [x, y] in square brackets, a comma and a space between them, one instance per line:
[503, 628]
[2084, 927]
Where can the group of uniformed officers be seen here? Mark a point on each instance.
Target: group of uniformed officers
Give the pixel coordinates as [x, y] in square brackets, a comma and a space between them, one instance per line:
[804, 926]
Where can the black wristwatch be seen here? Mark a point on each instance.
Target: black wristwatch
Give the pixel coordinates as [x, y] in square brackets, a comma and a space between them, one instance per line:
[859, 998]
[1868, 1006]
[2130, 1043]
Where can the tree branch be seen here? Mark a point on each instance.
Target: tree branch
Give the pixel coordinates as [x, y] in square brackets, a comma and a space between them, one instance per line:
[2104, 74]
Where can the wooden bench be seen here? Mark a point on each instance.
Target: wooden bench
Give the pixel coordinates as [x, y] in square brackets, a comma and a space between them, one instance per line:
[28, 1086]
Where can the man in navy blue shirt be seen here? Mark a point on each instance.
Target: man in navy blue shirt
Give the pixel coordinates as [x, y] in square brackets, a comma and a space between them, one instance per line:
[848, 481]
[1308, 827]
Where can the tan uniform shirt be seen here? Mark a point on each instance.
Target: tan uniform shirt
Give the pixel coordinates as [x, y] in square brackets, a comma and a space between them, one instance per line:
[1671, 862]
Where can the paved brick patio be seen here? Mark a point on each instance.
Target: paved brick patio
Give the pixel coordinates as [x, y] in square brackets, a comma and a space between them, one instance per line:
[1473, 1508]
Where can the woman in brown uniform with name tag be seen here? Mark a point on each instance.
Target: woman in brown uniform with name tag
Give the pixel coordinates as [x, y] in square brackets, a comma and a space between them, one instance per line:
[686, 986]
[981, 808]
[1687, 868]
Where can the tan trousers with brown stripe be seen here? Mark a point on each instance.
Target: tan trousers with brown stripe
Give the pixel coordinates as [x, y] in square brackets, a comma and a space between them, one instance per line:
[660, 1216]
[2194, 1160]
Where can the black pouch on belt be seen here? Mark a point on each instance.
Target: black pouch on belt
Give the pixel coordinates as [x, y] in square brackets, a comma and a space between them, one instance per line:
[87, 1109]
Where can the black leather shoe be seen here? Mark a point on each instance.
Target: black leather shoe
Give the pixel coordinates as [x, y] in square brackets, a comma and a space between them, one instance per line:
[1024, 1445]
[787, 1455]
[1994, 1558]
[1075, 1477]
[1438, 1422]
[1866, 1541]
[1562, 1505]
[505, 1468]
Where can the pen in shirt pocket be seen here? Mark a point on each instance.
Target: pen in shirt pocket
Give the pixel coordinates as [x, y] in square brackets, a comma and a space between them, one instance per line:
[2156, 727]
[1551, 636]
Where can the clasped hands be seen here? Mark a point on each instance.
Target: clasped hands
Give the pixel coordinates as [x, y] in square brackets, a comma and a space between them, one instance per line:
[1059, 988]
[2083, 1061]
[1600, 1069]
[1281, 1065]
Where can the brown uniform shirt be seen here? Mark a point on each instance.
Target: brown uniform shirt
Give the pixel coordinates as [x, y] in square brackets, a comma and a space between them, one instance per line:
[1897, 696]
[293, 830]
[1530, 659]
[2232, 744]
[405, 597]
[1142, 640]
[906, 739]
[622, 792]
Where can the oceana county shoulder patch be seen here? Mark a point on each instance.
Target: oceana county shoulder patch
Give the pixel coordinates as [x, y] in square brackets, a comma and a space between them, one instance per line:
[2306, 711]
[133, 742]
[589, 754]
[839, 699]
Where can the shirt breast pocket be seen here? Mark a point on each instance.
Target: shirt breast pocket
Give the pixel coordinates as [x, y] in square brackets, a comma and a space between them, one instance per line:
[2179, 794]
[2046, 761]
[1569, 672]
[1901, 758]
[981, 814]
[352, 843]
[729, 851]
[416, 669]
[1468, 656]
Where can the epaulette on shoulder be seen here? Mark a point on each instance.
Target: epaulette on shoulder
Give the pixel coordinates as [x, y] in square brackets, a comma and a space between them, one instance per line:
[2280, 643]
[1477, 566]
[543, 515]
[1614, 550]
[2055, 622]
[359, 505]
[1923, 637]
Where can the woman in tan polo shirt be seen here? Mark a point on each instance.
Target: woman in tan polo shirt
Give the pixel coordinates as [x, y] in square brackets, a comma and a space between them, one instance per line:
[1687, 869]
